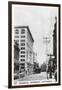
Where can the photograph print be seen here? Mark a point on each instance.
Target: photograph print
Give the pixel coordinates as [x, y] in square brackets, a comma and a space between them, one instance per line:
[34, 42]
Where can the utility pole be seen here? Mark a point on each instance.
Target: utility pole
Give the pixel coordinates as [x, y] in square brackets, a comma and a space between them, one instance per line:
[46, 40]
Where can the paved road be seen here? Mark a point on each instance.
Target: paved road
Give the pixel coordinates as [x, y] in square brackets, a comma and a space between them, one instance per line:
[40, 76]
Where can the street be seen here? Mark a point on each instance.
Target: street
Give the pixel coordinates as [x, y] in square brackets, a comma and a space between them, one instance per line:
[40, 76]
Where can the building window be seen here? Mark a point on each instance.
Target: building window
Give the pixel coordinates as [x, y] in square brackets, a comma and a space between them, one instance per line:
[22, 44]
[22, 40]
[22, 48]
[22, 51]
[16, 31]
[22, 31]
[17, 41]
[22, 55]
[22, 59]
[22, 67]
[23, 36]
[16, 36]
[22, 64]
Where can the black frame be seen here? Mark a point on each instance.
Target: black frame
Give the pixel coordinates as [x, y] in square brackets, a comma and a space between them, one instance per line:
[10, 42]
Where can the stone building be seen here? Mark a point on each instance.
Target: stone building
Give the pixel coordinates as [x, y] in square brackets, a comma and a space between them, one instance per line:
[25, 40]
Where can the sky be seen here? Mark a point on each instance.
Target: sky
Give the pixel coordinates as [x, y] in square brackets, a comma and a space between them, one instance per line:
[40, 20]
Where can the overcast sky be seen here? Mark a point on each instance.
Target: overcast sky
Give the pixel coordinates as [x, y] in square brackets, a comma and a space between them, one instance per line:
[40, 20]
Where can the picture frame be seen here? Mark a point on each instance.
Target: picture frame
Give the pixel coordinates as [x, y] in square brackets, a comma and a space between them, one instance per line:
[22, 16]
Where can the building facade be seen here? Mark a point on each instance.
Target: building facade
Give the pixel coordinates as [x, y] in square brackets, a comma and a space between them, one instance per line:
[16, 59]
[25, 40]
[55, 45]
[52, 63]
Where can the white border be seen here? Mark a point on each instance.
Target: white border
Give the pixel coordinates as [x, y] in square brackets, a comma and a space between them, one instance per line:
[30, 82]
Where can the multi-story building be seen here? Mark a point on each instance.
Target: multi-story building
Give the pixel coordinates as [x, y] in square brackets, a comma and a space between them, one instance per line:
[16, 59]
[25, 40]
[55, 44]
[52, 65]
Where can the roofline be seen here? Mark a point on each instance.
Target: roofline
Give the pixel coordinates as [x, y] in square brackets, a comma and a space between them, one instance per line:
[27, 29]
[20, 26]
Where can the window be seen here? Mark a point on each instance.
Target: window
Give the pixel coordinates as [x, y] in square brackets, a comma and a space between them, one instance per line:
[22, 31]
[22, 67]
[16, 36]
[22, 51]
[22, 59]
[17, 41]
[22, 64]
[22, 48]
[22, 44]
[22, 40]
[23, 36]
[22, 55]
[16, 31]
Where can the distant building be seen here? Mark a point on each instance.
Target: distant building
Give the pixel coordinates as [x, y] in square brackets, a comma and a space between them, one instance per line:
[34, 57]
[16, 59]
[25, 40]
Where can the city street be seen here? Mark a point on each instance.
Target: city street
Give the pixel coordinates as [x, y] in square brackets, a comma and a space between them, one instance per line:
[40, 76]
